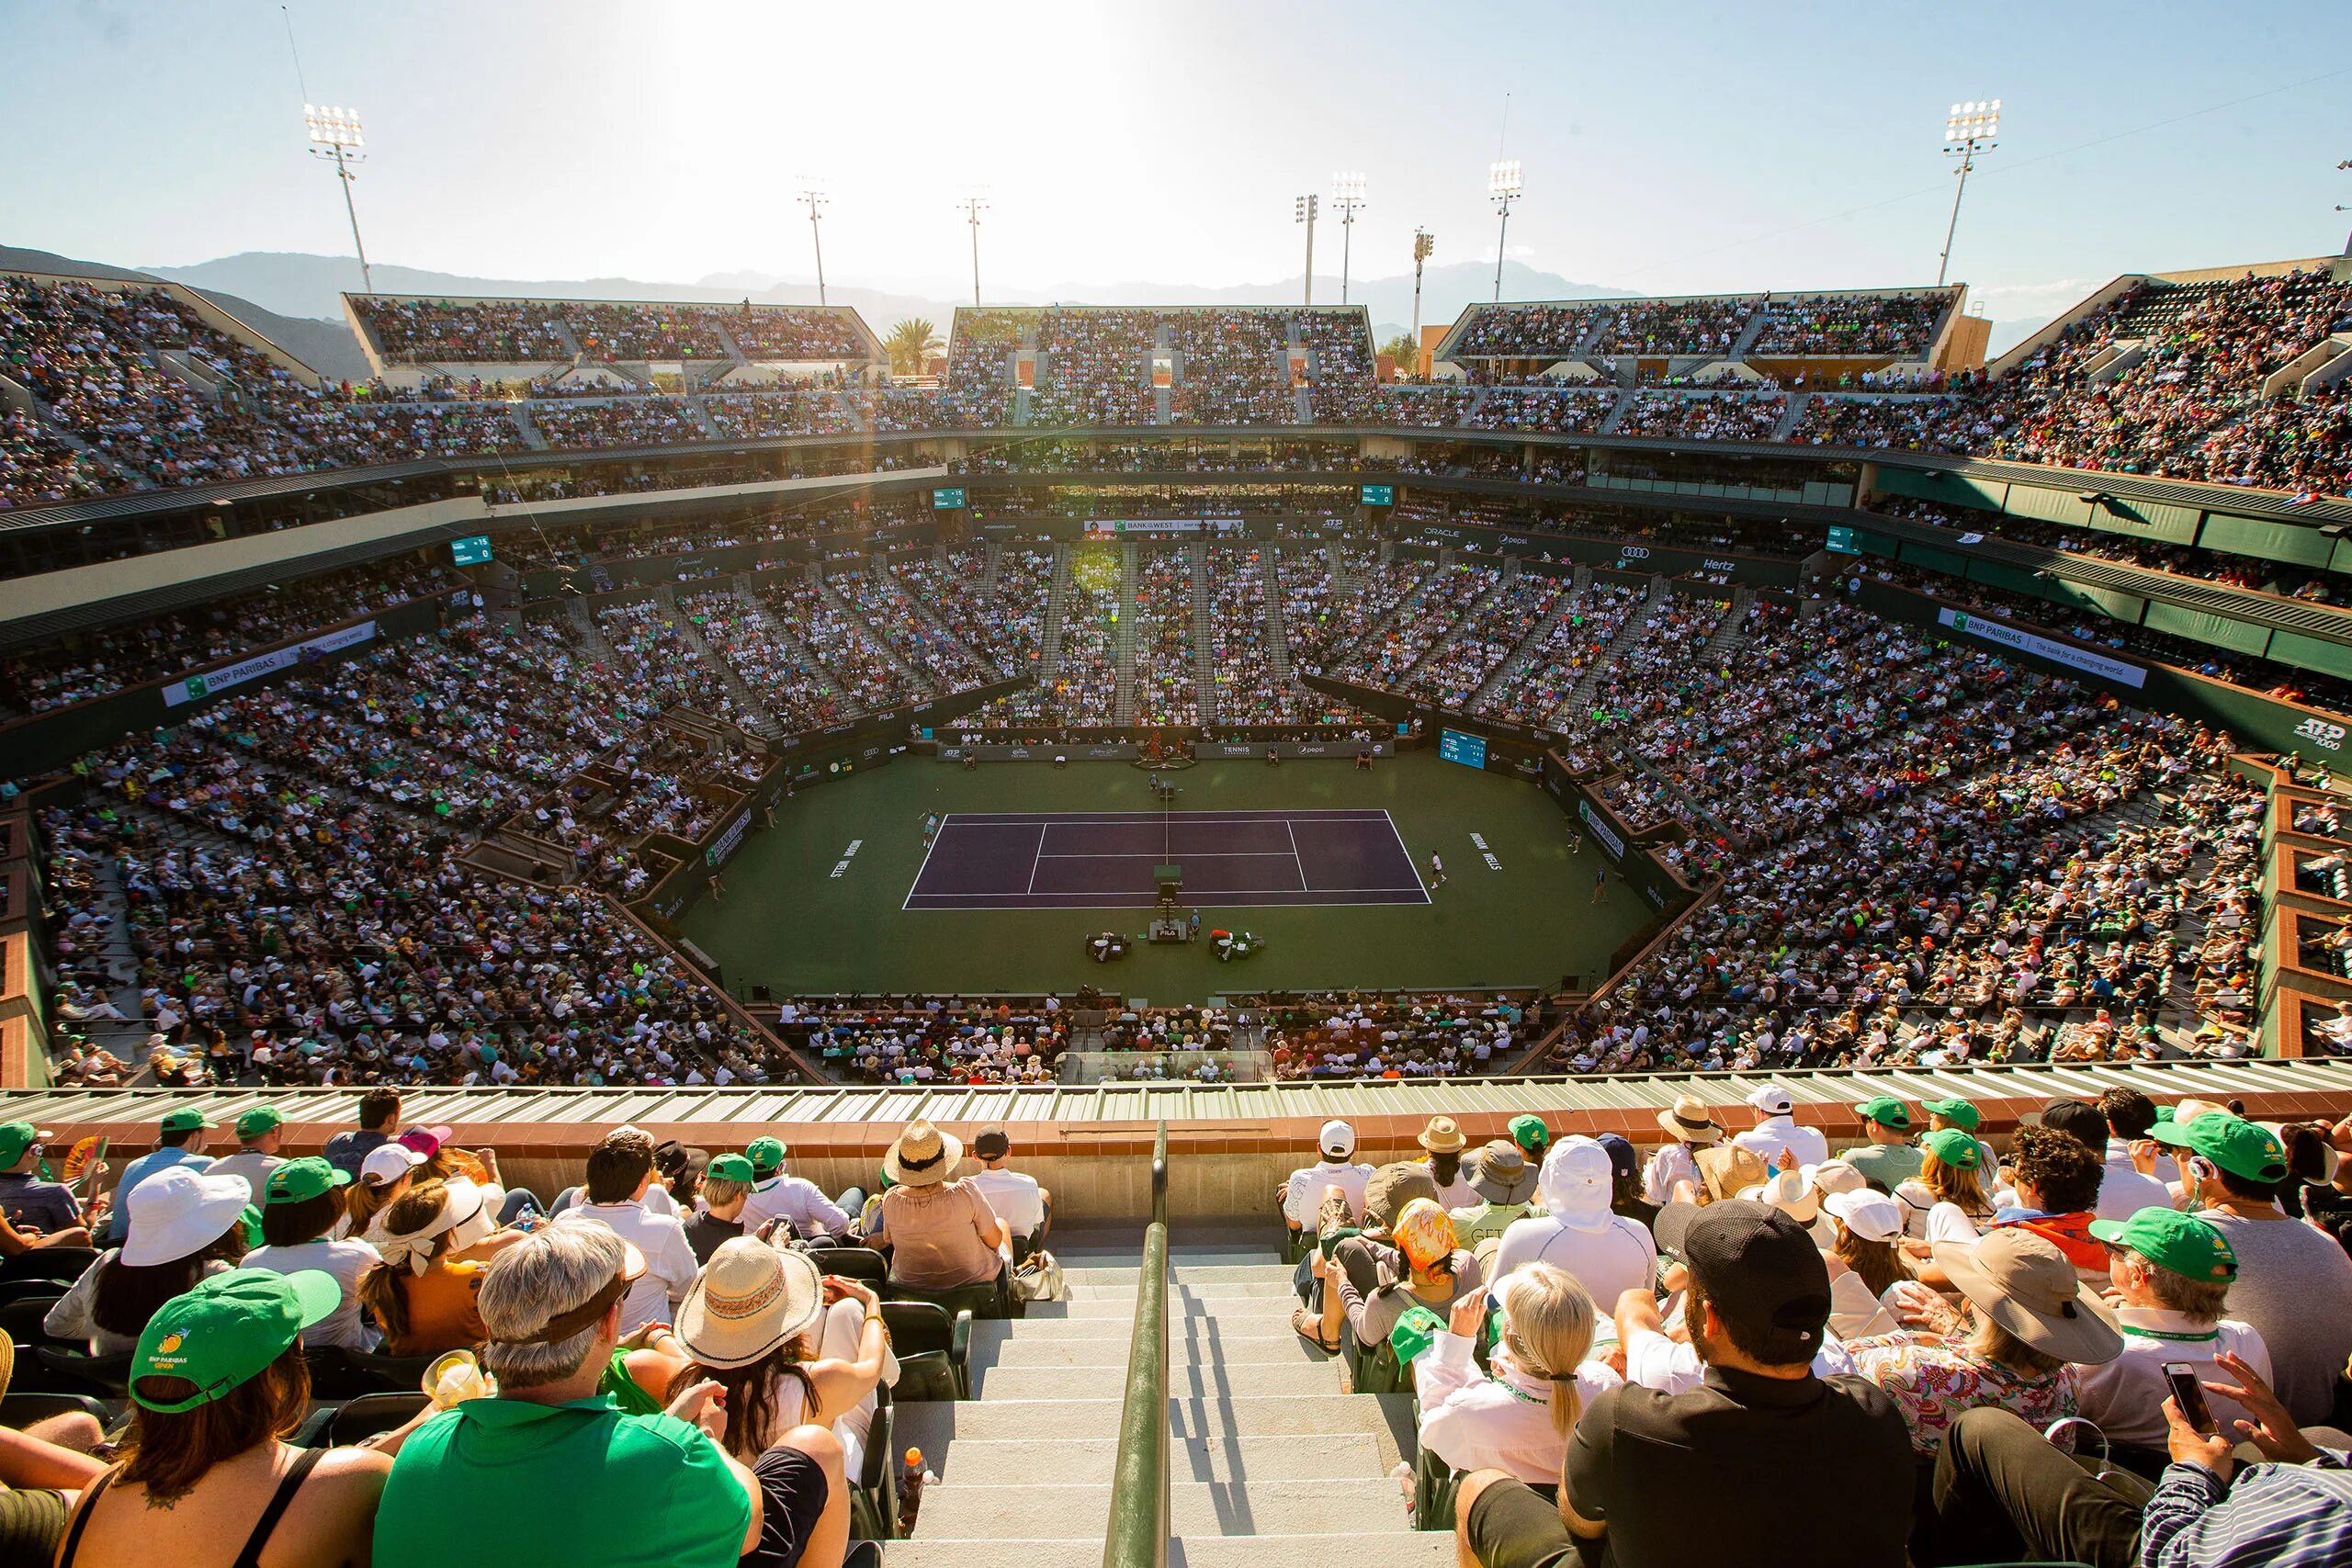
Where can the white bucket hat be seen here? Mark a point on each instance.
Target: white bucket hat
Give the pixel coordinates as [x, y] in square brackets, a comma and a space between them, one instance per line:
[178, 1212]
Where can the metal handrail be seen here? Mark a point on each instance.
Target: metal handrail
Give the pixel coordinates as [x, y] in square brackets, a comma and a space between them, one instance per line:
[1136, 1535]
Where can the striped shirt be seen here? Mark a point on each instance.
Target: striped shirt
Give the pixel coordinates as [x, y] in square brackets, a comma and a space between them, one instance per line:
[2272, 1516]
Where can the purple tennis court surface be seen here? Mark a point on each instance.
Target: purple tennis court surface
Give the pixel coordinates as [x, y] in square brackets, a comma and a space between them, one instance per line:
[1103, 860]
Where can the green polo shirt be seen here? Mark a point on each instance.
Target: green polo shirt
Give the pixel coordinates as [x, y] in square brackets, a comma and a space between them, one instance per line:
[578, 1485]
[1888, 1165]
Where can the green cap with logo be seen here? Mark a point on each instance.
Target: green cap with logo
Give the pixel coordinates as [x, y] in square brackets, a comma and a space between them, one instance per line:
[227, 1330]
[299, 1181]
[728, 1167]
[1887, 1111]
[1958, 1111]
[261, 1119]
[2238, 1147]
[765, 1155]
[186, 1120]
[1954, 1147]
[1415, 1331]
[1530, 1134]
[16, 1137]
[2170, 1239]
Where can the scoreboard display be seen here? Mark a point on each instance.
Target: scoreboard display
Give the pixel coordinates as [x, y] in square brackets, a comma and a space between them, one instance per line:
[1470, 750]
[1378, 495]
[947, 499]
[471, 550]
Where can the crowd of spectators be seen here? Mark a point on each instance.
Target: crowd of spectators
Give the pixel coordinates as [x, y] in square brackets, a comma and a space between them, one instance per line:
[1751, 416]
[654, 421]
[1915, 424]
[1852, 326]
[1232, 367]
[1247, 691]
[1419, 621]
[1453, 674]
[790, 683]
[798, 409]
[838, 638]
[1166, 673]
[477, 331]
[1541, 684]
[1094, 368]
[920, 638]
[1547, 408]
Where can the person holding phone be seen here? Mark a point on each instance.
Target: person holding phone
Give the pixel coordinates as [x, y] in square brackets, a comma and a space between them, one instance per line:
[2170, 1275]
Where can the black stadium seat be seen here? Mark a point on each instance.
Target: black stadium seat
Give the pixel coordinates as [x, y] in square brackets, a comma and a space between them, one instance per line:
[62, 1263]
[934, 1352]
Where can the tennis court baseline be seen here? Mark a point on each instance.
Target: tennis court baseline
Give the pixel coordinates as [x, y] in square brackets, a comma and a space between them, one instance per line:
[1071, 860]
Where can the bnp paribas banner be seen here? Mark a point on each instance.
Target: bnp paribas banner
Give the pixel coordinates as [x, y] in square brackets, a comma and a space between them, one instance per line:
[212, 682]
[1989, 628]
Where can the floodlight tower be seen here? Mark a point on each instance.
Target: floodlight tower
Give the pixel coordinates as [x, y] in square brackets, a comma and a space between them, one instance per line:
[1502, 188]
[1968, 131]
[813, 198]
[335, 136]
[973, 205]
[1424, 245]
[1302, 211]
[1346, 195]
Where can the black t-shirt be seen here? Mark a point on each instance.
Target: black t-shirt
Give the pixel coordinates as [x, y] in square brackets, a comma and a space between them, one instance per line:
[705, 1235]
[1797, 1473]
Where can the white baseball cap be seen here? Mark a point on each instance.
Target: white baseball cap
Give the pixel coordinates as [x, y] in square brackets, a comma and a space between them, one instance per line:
[387, 1163]
[1874, 1216]
[1336, 1139]
[1773, 1098]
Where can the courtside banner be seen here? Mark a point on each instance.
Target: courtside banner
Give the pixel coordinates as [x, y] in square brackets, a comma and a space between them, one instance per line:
[212, 682]
[2005, 636]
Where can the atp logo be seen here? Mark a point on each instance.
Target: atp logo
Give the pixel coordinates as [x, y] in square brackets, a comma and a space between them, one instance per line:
[2319, 732]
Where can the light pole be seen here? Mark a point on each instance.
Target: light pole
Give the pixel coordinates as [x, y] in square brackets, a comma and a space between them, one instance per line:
[335, 135]
[1424, 244]
[1346, 195]
[1502, 187]
[973, 206]
[1302, 211]
[812, 196]
[1968, 131]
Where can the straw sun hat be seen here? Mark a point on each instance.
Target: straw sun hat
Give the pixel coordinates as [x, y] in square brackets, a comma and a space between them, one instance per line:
[923, 1156]
[749, 1300]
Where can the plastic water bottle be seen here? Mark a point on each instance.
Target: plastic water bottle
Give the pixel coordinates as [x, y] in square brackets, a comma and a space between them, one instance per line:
[912, 1479]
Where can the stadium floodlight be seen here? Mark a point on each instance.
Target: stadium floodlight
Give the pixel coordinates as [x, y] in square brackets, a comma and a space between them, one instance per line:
[812, 196]
[1424, 246]
[1346, 195]
[1968, 131]
[1502, 190]
[1302, 211]
[975, 202]
[335, 136]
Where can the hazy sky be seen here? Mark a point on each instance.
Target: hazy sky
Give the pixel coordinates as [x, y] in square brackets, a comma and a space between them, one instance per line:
[1668, 147]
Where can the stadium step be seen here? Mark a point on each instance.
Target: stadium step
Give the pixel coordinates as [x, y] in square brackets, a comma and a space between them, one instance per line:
[1271, 1464]
[1524, 653]
[1203, 633]
[1049, 636]
[1122, 704]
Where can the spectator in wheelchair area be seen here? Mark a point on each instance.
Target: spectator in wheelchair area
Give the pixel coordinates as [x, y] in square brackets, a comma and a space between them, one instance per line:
[941, 1233]
[1517, 1418]
[1646, 1468]
[1024, 1206]
[627, 1488]
[217, 1386]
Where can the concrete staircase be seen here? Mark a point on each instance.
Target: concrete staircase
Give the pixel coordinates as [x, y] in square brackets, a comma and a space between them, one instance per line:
[1123, 706]
[1787, 424]
[1203, 644]
[1271, 1464]
[1278, 668]
[1730, 632]
[533, 437]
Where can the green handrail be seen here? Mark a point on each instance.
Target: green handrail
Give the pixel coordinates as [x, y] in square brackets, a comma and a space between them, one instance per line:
[1137, 1533]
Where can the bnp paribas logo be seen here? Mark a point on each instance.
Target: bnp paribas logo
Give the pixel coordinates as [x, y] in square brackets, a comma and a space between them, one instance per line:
[1960, 619]
[196, 687]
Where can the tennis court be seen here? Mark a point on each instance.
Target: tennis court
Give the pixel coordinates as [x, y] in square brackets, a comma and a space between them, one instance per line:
[1073, 859]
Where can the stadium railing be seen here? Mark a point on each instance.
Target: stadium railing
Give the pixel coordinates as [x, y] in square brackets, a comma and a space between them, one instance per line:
[1137, 1534]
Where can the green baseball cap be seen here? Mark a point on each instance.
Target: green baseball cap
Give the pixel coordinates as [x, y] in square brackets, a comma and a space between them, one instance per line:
[1887, 1111]
[299, 1181]
[1416, 1330]
[765, 1155]
[2235, 1145]
[2166, 1112]
[1958, 1111]
[728, 1167]
[1530, 1134]
[259, 1120]
[186, 1120]
[16, 1137]
[2170, 1239]
[227, 1330]
[1954, 1147]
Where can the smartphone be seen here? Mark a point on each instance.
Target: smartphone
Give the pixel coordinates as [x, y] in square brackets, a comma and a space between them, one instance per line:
[2189, 1395]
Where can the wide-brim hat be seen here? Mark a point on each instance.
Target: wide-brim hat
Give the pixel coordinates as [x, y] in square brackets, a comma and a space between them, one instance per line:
[178, 1212]
[1686, 1119]
[1441, 1136]
[1788, 1192]
[1727, 1168]
[923, 1156]
[749, 1299]
[1499, 1173]
[2024, 1283]
[1390, 1188]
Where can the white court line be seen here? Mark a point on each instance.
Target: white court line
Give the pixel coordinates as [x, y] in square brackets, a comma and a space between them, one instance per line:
[1296, 865]
[1155, 855]
[1037, 854]
[1126, 901]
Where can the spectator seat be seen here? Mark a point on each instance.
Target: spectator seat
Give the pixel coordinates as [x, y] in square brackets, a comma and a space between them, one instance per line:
[934, 1352]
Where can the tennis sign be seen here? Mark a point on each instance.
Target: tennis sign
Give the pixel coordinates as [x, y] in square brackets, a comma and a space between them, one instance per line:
[212, 682]
[1470, 750]
[2003, 635]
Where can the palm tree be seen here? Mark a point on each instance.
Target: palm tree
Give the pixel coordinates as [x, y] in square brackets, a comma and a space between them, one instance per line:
[909, 342]
[1404, 351]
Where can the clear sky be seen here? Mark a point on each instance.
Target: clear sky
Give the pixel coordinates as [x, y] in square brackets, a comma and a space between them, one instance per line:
[1668, 147]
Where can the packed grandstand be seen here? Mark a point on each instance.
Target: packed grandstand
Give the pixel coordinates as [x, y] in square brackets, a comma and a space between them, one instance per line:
[1914, 721]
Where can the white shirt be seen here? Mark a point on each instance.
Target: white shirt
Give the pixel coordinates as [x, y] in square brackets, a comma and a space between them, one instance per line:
[1671, 1164]
[1473, 1421]
[1768, 1137]
[669, 1260]
[1304, 1195]
[2125, 1396]
[2123, 1191]
[797, 1199]
[1950, 1221]
[346, 1260]
[1018, 1200]
[1609, 1260]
